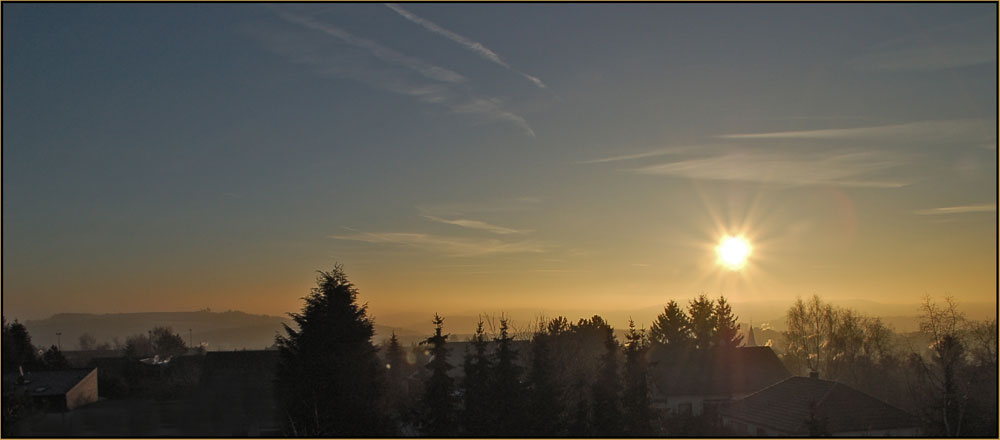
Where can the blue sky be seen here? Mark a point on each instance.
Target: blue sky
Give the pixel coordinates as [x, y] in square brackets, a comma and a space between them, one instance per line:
[454, 157]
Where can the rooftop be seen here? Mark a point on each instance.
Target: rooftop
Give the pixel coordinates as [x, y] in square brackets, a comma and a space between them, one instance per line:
[714, 372]
[785, 406]
[48, 383]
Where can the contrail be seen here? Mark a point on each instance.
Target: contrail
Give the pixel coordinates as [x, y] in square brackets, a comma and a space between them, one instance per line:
[474, 46]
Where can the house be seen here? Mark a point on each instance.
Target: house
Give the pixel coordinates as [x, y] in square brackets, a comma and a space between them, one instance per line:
[695, 382]
[60, 390]
[803, 406]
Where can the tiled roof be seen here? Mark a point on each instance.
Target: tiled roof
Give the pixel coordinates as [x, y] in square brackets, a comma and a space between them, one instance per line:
[49, 383]
[716, 372]
[785, 406]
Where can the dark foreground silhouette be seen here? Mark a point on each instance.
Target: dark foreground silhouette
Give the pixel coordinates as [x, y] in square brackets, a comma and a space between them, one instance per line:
[694, 372]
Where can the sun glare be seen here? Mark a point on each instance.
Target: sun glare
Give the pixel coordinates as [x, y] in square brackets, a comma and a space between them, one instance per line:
[733, 252]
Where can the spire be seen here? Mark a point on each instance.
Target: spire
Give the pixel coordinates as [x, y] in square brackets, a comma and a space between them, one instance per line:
[751, 342]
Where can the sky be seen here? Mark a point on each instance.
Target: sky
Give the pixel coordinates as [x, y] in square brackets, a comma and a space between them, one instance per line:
[490, 157]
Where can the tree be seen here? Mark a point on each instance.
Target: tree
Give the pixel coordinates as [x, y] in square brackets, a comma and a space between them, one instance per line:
[166, 343]
[17, 348]
[507, 391]
[809, 329]
[956, 394]
[439, 400]
[395, 364]
[635, 396]
[671, 328]
[328, 380]
[477, 417]
[54, 359]
[702, 322]
[606, 415]
[544, 401]
[580, 425]
[138, 346]
[727, 331]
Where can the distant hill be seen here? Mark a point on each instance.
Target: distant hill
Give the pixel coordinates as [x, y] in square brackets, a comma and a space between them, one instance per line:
[229, 330]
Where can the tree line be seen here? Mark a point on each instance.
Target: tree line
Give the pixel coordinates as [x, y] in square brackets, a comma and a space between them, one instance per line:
[566, 379]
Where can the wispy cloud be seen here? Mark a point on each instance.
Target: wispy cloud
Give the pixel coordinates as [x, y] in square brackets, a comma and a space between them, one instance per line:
[645, 154]
[479, 225]
[474, 46]
[382, 68]
[955, 45]
[448, 246]
[461, 209]
[957, 209]
[972, 130]
[842, 168]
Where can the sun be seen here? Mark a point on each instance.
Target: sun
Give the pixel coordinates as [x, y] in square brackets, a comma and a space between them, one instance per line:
[733, 252]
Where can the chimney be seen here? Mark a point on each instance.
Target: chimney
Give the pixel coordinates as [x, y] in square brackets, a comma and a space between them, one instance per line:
[814, 374]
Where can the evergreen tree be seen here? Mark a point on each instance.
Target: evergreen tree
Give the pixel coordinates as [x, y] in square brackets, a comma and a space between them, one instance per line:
[439, 400]
[727, 331]
[702, 322]
[672, 327]
[606, 416]
[507, 389]
[545, 403]
[17, 348]
[635, 396]
[477, 417]
[328, 380]
[395, 364]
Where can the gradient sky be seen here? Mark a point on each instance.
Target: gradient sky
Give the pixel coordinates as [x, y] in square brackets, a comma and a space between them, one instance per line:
[494, 156]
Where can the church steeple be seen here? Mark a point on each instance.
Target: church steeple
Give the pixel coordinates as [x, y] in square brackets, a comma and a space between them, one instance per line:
[751, 342]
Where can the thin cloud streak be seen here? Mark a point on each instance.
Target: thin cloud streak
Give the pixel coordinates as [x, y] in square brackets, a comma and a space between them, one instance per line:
[381, 52]
[957, 210]
[448, 246]
[474, 46]
[457, 209]
[651, 153]
[924, 130]
[845, 169]
[432, 84]
[479, 225]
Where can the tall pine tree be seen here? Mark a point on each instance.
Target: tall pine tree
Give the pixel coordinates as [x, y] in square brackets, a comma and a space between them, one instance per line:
[635, 396]
[702, 322]
[671, 328]
[439, 400]
[727, 331]
[477, 416]
[545, 404]
[328, 380]
[507, 389]
[396, 373]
